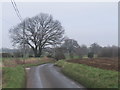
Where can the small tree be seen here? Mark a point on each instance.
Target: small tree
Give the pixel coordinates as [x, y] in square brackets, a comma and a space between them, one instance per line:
[82, 51]
[90, 55]
[71, 47]
[59, 53]
[95, 48]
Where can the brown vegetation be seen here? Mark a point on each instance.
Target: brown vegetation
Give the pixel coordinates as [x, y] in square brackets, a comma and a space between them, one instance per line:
[103, 63]
[13, 62]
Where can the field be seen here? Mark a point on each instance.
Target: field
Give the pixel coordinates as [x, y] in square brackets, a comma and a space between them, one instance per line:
[88, 76]
[103, 63]
[13, 62]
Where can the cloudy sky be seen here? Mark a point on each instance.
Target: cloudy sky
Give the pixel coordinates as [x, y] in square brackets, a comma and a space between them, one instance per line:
[86, 22]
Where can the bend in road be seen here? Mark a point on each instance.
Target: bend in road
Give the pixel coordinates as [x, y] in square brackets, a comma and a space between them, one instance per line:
[48, 76]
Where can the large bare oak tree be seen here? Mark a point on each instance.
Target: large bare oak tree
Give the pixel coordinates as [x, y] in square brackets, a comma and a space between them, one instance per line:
[38, 32]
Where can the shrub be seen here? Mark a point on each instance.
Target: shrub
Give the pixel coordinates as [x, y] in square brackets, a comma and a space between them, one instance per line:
[90, 55]
[59, 56]
[49, 56]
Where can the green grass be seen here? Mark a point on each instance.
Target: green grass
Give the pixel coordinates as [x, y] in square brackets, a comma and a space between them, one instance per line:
[13, 77]
[67, 57]
[88, 76]
[0, 58]
[85, 56]
[13, 58]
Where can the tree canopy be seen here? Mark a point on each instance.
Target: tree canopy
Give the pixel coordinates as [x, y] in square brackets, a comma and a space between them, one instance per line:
[38, 32]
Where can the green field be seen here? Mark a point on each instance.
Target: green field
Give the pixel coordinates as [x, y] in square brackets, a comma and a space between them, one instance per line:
[88, 76]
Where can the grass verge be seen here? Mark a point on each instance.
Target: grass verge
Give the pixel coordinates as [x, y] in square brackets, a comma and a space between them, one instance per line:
[13, 77]
[88, 76]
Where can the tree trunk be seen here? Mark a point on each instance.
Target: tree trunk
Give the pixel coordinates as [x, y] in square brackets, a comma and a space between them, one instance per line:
[40, 51]
[37, 53]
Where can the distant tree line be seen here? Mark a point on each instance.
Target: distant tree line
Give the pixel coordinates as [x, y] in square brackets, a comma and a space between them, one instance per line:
[69, 48]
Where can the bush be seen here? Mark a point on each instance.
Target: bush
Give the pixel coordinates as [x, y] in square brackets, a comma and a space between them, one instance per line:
[6, 55]
[49, 56]
[90, 55]
[59, 56]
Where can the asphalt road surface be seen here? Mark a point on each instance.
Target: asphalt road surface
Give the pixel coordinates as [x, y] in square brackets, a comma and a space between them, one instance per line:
[48, 76]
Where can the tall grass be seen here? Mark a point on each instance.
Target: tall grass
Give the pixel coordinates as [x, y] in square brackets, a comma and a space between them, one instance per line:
[90, 77]
[13, 77]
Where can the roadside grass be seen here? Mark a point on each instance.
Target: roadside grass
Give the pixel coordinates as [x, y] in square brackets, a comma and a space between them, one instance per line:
[88, 76]
[11, 58]
[0, 59]
[14, 76]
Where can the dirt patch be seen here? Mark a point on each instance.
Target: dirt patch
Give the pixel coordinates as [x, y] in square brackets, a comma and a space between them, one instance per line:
[103, 63]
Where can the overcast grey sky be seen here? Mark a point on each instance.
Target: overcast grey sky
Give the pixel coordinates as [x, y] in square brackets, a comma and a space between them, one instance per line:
[85, 22]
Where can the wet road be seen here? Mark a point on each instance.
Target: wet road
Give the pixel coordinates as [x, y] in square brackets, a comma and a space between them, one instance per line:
[48, 76]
